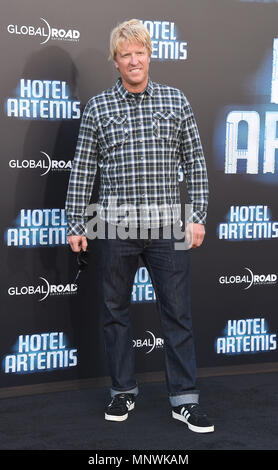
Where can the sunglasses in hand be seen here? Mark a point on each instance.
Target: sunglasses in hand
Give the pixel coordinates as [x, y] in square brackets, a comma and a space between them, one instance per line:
[82, 261]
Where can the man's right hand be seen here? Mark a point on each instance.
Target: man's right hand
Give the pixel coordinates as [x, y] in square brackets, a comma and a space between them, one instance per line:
[77, 242]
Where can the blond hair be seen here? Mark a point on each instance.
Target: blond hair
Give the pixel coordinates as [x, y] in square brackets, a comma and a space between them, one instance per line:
[131, 30]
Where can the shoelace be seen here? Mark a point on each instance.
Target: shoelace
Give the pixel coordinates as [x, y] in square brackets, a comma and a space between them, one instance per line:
[121, 400]
[193, 409]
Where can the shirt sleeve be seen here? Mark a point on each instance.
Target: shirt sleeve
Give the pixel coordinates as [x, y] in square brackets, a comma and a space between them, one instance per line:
[193, 164]
[82, 175]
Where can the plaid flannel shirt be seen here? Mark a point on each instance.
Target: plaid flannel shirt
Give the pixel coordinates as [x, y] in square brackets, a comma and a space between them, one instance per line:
[138, 142]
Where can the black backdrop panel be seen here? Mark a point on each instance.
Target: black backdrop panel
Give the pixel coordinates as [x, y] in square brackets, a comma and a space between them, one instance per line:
[223, 55]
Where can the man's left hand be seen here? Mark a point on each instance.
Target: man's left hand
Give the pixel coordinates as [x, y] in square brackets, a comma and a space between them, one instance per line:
[195, 234]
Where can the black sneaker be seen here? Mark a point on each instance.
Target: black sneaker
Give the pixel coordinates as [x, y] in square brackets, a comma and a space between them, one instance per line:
[193, 416]
[119, 406]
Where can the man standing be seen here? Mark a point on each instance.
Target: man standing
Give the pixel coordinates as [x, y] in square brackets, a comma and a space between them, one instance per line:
[138, 132]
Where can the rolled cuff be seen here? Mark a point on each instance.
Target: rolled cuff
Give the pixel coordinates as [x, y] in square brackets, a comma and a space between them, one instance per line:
[114, 392]
[185, 398]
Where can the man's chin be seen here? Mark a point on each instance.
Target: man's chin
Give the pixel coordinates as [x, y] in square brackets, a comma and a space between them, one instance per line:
[136, 80]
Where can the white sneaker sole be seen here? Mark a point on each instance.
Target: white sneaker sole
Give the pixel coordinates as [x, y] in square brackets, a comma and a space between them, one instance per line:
[119, 418]
[191, 426]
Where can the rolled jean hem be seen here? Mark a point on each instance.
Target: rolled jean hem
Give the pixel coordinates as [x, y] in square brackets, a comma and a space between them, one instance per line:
[184, 399]
[114, 392]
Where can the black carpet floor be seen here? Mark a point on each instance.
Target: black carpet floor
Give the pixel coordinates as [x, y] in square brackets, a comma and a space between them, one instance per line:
[243, 409]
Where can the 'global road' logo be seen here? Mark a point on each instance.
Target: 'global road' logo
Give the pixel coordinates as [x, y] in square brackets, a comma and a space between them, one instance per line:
[45, 164]
[248, 279]
[45, 32]
[43, 290]
[150, 342]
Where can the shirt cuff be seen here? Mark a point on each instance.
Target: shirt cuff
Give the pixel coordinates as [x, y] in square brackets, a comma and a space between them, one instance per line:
[76, 229]
[198, 217]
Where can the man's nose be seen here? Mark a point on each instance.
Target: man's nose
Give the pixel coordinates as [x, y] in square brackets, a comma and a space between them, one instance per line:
[133, 59]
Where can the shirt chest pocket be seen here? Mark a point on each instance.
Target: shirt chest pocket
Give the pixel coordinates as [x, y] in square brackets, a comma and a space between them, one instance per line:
[165, 125]
[115, 131]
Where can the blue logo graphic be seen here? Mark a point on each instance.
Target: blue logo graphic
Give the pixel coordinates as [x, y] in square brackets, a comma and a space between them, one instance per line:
[142, 288]
[39, 353]
[251, 139]
[38, 227]
[165, 43]
[42, 99]
[248, 223]
[246, 336]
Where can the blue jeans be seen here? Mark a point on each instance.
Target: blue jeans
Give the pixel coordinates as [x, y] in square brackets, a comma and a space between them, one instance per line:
[169, 272]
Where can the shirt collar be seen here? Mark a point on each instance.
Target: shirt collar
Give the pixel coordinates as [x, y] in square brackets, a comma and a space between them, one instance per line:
[125, 94]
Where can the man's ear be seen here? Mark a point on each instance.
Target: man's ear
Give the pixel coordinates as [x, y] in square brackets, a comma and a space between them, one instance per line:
[116, 65]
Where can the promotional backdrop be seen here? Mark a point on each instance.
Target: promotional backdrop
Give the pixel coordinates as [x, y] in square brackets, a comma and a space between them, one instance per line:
[223, 54]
